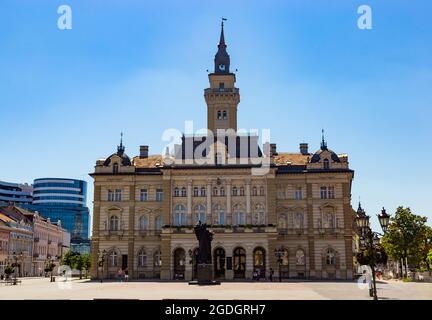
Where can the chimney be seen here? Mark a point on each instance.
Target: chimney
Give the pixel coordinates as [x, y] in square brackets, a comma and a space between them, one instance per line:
[144, 152]
[273, 149]
[304, 148]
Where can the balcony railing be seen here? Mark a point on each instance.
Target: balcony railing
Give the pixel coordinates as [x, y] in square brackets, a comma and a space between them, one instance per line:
[221, 90]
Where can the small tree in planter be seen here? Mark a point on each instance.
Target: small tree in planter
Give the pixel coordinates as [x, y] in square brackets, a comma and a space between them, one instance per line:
[8, 271]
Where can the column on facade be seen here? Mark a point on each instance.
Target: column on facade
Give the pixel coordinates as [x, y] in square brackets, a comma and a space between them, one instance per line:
[189, 202]
[209, 218]
[248, 202]
[228, 217]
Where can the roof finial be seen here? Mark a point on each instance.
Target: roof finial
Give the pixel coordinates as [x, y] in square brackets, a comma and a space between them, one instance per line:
[120, 148]
[323, 142]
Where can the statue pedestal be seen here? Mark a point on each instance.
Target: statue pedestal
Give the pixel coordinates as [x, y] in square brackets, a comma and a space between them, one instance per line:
[204, 275]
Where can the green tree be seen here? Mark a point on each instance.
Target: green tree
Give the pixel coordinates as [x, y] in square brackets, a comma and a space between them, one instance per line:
[405, 237]
[69, 259]
[429, 260]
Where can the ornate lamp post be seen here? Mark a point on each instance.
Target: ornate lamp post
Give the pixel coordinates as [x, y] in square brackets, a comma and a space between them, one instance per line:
[279, 252]
[370, 242]
[101, 261]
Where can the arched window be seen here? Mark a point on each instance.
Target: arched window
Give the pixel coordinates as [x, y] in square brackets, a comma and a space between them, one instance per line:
[282, 222]
[220, 214]
[298, 220]
[143, 223]
[179, 215]
[285, 257]
[157, 258]
[224, 115]
[195, 191]
[330, 257]
[200, 214]
[326, 164]
[239, 216]
[158, 223]
[254, 191]
[300, 257]
[176, 192]
[112, 259]
[241, 191]
[234, 191]
[259, 217]
[259, 260]
[215, 191]
[114, 224]
[142, 258]
[183, 192]
[203, 192]
[261, 191]
[219, 115]
[329, 220]
[115, 168]
[222, 191]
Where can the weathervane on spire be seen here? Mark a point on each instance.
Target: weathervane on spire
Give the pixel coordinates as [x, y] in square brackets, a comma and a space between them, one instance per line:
[223, 19]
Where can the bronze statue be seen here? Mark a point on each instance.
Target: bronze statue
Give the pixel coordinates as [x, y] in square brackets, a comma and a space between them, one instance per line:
[204, 238]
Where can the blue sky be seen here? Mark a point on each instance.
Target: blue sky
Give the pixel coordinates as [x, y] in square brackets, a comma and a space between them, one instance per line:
[140, 67]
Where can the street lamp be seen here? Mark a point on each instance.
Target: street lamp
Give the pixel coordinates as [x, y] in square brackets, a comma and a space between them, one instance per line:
[370, 241]
[279, 252]
[101, 261]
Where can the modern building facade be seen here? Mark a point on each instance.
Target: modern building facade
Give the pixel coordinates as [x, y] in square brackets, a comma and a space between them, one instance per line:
[16, 193]
[65, 200]
[290, 212]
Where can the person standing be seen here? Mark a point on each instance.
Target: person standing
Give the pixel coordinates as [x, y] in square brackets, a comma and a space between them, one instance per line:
[271, 274]
[119, 274]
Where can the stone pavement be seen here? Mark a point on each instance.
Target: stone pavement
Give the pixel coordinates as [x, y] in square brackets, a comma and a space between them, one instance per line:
[310, 290]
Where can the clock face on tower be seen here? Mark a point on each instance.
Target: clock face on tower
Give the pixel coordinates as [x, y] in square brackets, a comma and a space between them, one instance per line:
[222, 67]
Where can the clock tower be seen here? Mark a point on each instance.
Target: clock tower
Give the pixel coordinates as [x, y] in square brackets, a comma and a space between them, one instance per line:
[222, 97]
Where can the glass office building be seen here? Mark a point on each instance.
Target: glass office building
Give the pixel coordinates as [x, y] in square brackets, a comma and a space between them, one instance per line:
[64, 200]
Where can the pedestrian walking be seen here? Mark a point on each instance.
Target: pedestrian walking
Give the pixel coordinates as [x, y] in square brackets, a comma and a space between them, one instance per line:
[126, 275]
[120, 274]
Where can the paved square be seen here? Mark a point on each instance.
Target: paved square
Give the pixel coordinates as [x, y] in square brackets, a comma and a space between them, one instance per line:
[85, 290]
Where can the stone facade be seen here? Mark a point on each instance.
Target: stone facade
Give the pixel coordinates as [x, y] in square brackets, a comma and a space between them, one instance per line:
[299, 206]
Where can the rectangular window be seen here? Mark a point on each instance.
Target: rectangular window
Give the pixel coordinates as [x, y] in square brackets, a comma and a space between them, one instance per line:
[331, 193]
[110, 195]
[221, 218]
[221, 86]
[298, 194]
[159, 195]
[143, 195]
[323, 192]
[118, 195]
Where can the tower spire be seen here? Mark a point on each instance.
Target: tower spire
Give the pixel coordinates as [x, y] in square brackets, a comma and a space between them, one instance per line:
[323, 142]
[222, 35]
[222, 59]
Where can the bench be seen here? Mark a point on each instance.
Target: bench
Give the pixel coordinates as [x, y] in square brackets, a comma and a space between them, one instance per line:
[11, 282]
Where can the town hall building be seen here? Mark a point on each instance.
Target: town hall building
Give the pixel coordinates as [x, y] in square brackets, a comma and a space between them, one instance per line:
[289, 212]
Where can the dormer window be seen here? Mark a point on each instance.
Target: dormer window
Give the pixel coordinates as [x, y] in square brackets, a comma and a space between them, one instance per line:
[326, 164]
[115, 168]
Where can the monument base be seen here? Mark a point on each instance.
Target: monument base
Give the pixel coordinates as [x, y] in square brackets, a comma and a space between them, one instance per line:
[204, 275]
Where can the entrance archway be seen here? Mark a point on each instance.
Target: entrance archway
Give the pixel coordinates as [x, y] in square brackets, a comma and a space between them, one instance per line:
[239, 263]
[259, 261]
[219, 263]
[179, 264]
